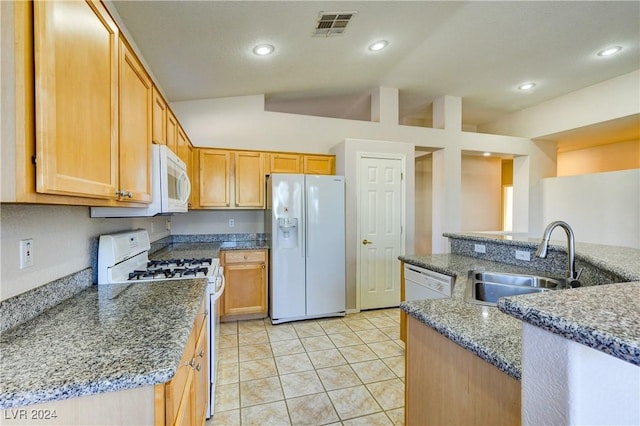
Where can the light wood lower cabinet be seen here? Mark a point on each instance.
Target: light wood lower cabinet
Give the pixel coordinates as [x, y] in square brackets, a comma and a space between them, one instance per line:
[183, 400]
[245, 294]
[449, 385]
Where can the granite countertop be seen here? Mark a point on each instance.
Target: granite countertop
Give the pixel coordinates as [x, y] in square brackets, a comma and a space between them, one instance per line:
[603, 317]
[209, 249]
[623, 261]
[105, 338]
[483, 330]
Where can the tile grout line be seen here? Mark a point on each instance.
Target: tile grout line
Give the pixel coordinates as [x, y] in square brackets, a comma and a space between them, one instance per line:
[264, 327]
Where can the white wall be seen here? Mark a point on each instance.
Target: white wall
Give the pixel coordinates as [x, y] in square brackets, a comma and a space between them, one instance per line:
[481, 193]
[602, 208]
[567, 383]
[62, 242]
[217, 222]
[611, 99]
[423, 202]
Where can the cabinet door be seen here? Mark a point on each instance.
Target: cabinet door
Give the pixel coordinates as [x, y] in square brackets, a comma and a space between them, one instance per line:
[201, 380]
[214, 172]
[182, 148]
[246, 291]
[172, 131]
[319, 164]
[76, 70]
[285, 163]
[135, 128]
[159, 118]
[191, 167]
[249, 179]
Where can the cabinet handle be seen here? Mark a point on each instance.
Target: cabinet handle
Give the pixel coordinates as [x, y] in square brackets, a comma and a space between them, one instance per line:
[123, 193]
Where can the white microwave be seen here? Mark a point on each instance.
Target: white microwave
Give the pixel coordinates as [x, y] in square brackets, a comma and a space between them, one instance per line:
[170, 188]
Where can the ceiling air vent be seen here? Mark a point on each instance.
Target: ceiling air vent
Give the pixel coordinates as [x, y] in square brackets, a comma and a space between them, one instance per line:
[332, 23]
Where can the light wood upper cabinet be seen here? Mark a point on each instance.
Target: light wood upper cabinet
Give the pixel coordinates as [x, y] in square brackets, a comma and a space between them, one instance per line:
[76, 80]
[172, 132]
[159, 118]
[285, 163]
[214, 173]
[193, 175]
[249, 179]
[182, 145]
[135, 127]
[319, 164]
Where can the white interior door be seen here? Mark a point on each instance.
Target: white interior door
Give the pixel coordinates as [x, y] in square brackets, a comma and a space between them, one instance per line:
[380, 226]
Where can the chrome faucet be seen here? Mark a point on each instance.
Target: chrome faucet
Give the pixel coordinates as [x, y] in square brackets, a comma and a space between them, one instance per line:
[572, 275]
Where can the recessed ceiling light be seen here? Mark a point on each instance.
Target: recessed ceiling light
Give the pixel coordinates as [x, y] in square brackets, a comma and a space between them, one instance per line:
[610, 51]
[378, 45]
[526, 86]
[486, 154]
[263, 49]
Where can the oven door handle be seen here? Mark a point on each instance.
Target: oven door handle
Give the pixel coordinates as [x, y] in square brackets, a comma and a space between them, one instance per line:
[218, 293]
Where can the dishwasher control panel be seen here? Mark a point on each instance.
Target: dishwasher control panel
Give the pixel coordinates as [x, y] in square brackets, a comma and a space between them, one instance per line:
[423, 283]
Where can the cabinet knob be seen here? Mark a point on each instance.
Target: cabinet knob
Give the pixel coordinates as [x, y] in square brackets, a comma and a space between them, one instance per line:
[198, 367]
[201, 354]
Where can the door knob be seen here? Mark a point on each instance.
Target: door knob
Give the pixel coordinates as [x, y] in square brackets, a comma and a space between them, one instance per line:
[365, 242]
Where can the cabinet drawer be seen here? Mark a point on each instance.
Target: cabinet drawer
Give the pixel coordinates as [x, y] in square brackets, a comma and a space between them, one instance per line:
[243, 256]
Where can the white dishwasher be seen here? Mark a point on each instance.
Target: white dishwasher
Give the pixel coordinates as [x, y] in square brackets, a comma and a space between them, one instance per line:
[420, 284]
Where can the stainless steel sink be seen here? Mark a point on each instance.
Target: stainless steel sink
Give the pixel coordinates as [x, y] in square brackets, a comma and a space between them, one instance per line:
[485, 288]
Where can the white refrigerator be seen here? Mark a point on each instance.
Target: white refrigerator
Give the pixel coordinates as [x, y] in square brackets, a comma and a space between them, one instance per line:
[305, 220]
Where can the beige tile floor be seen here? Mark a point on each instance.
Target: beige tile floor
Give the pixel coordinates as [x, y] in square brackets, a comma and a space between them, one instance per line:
[347, 371]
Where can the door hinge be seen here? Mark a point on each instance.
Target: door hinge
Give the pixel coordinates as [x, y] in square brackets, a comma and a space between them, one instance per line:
[34, 160]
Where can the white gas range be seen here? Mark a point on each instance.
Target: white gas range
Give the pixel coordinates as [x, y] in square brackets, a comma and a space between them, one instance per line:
[124, 258]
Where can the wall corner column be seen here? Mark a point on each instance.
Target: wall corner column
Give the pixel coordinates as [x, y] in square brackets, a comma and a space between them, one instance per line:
[447, 113]
[385, 106]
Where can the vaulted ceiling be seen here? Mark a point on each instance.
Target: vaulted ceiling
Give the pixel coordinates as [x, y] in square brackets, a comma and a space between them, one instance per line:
[480, 51]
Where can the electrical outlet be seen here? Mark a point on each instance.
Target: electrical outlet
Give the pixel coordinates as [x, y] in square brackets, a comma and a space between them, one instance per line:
[168, 225]
[523, 255]
[480, 248]
[152, 227]
[232, 223]
[26, 253]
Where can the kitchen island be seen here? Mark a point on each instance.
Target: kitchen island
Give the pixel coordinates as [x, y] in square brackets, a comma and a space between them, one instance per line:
[496, 337]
